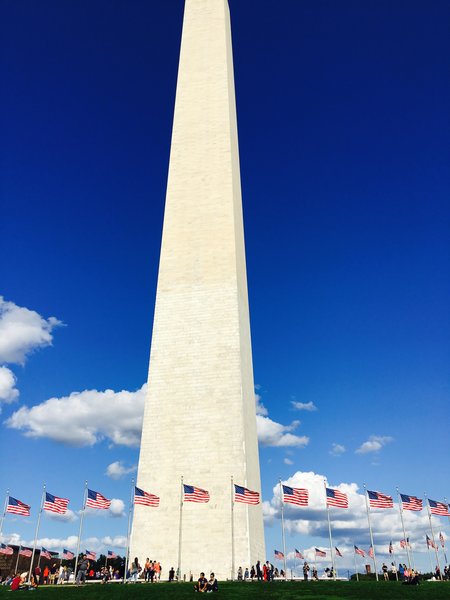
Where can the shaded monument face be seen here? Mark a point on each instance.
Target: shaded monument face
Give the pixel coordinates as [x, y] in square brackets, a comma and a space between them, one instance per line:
[199, 420]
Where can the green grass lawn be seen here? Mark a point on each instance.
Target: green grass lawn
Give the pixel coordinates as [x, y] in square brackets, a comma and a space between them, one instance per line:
[320, 590]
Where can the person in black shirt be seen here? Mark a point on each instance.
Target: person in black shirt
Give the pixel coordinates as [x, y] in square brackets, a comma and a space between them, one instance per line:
[202, 584]
[212, 586]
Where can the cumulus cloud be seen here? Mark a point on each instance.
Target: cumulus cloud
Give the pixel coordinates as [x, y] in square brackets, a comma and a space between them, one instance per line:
[117, 469]
[67, 517]
[260, 408]
[22, 331]
[93, 416]
[116, 510]
[337, 449]
[288, 461]
[271, 433]
[8, 391]
[309, 406]
[350, 525]
[374, 444]
[95, 544]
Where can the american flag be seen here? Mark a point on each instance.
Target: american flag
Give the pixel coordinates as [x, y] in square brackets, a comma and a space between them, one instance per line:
[195, 494]
[370, 553]
[359, 551]
[111, 554]
[67, 554]
[144, 498]
[45, 554]
[411, 502]
[438, 508]
[441, 539]
[24, 551]
[298, 554]
[6, 550]
[391, 547]
[17, 507]
[404, 543]
[242, 494]
[338, 552]
[91, 555]
[336, 498]
[379, 500]
[55, 504]
[430, 543]
[320, 552]
[278, 555]
[296, 496]
[96, 500]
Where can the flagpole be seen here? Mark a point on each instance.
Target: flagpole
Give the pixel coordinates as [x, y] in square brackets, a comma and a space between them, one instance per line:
[429, 556]
[374, 558]
[282, 528]
[17, 561]
[432, 537]
[37, 532]
[329, 531]
[4, 514]
[83, 510]
[232, 529]
[395, 562]
[448, 517]
[400, 506]
[180, 534]
[295, 566]
[356, 569]
[130, 512]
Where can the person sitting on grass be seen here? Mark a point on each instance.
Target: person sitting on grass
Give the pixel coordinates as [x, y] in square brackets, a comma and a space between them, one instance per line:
[212, 586]
[202, 584]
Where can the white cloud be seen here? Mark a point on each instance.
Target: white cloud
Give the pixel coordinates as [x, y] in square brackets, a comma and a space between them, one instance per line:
[260, 408]
[58, 544]
[8, 391]
[116, 510]
[271, 433]
[374, 444]
[309, 406]
[337, 449]
[288, 461]
[22, 331]
[67, 517]
[117, 469]
[93, 416]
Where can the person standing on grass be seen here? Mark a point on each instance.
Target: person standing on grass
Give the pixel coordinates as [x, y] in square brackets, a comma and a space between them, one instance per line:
[82, 570]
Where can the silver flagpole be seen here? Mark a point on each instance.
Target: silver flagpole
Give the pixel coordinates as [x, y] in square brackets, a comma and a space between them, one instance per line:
[395, 563]
[429, 556]
[282, 527]
[4, 514]
[232, 530]
[295, 566]
[36, 532]
[180, 534]
[374, 558]
[17, 561]
[433, 538]
[400, 506]
[356, 568]
[130, 512]
[83, 510]
[329, 531]
[448, 517]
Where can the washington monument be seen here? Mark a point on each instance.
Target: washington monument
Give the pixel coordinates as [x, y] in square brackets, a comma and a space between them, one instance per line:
[199, 420]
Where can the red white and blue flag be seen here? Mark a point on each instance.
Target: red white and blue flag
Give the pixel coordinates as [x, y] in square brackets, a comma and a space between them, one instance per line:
[441, 539]
[404, 543]
[96, 500]
[91, 555]
[359, 551]
[242, 494]
[111, 554]
[391, 547]
[17, 507]
[320, 552]
[430, 543]
[411, 502]
[6, 550]
[45, 554]
[379, 500]
[144, 498]
[278, 555]
[338, 552]
[297, 496]
[438, 508]
[370, 553]
[24, 551]
[67, 554]
[336, 498]
[298, 554]
[195, 494]
[55, 504]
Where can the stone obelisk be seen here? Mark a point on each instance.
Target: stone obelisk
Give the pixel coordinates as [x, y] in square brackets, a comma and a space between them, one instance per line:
[200, 421]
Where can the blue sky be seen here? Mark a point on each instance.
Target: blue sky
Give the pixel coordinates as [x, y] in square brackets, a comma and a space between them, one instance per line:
[344, 136]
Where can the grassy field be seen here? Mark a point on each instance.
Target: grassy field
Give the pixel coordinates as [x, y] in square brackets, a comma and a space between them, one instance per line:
[235, 591]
